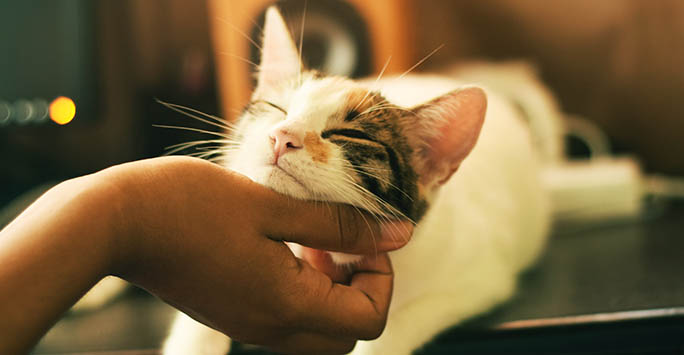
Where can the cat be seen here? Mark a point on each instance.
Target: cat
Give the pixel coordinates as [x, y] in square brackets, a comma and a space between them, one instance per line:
[455, 159]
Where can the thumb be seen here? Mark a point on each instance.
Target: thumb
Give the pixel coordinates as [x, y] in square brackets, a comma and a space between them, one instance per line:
[333, 227]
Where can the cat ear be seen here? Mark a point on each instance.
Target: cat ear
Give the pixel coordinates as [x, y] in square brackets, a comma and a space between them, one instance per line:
[279, 56]
[448, 128]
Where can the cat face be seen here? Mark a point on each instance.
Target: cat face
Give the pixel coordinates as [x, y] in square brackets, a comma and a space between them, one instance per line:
[328, 138]
[333, 139]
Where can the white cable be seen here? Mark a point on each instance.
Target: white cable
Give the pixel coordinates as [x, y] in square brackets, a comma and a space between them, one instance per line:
[664, 186]
[589, 133]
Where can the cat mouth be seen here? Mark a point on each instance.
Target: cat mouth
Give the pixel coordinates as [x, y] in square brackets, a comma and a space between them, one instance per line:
[277, 169]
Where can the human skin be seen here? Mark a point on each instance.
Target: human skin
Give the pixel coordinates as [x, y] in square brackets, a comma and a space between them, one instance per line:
[207, 241]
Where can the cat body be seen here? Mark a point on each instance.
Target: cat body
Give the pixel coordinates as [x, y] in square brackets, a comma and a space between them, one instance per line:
[418, 147]
[486, 224]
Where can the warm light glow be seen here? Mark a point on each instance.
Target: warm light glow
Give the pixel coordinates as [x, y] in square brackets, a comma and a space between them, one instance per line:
[62, 110]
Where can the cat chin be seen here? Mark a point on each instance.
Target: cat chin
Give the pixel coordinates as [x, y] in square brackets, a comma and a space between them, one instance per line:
[282, 182]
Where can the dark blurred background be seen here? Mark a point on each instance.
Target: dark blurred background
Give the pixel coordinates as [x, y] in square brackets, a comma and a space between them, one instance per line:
[113, 58]
[617, 63]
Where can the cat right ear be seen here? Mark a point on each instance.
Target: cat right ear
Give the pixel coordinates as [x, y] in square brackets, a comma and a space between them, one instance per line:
[446, 130]
[279, 57]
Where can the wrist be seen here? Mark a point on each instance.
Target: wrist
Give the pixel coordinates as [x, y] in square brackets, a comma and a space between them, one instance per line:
[147, 195]
[98, 213]
[122, 215]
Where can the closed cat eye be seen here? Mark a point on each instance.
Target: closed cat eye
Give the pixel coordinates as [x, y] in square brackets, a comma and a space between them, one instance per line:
[270, 104]
[346, 132]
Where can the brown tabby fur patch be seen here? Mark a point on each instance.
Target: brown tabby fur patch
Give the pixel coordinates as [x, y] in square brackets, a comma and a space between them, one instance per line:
[371, 135]
[317, 149]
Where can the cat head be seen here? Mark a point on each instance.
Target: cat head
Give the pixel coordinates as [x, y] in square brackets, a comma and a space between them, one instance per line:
[333, 139]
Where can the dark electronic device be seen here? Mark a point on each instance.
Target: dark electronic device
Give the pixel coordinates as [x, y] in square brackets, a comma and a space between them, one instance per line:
[46, 62]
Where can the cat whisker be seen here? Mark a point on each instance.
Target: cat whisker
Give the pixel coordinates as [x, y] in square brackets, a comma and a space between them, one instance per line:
[381, 107]
[375, 245]
[208, 119]
[343, 190]
[378, 177]
[333, 187]
[217, 160]
[193, 130]
[210, 148]
[202, 155]
[236, 29]
[382, 71]
[301, 41]
[209, 156]
[421, 61]
[257, 25]
[181, 146]
[240, 58]
[377, 169]
[366, 205]
[360, 198]
[207, 150]
[384, 204]
[209, 141]
[236, 111]
[368, 197]
[383, 180]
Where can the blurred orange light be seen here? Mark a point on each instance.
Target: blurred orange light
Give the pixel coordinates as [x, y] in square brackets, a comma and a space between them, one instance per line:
[62, 110]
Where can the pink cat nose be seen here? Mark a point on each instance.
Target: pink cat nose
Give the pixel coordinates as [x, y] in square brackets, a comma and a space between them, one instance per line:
[283, 142]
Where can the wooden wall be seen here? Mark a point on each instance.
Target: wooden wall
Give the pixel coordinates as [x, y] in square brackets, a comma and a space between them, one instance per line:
[616, 62]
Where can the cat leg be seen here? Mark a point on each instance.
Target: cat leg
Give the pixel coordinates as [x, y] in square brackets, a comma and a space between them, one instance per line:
[416, 323]
[189, 337]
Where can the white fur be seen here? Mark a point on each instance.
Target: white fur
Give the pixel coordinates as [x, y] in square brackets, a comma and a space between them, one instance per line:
[487, 223]
[255, 153]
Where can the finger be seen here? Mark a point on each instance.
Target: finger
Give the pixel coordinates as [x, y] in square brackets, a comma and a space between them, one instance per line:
[359, 310]
[312, 343]
[322, 261]
[331, 226]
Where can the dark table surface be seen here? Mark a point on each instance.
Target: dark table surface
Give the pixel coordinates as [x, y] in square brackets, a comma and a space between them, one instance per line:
[605, 290]
[616, 289]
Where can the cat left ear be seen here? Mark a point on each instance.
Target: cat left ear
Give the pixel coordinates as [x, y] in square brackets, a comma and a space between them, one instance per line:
[279, 56]
[448, 127]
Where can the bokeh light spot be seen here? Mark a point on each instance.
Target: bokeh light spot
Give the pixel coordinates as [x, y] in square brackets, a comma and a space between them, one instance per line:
[62, 110]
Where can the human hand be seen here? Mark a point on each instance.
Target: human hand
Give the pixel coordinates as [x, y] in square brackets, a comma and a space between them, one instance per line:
[209, 242]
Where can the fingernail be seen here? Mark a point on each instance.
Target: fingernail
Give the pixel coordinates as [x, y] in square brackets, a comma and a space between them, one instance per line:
[394, 235]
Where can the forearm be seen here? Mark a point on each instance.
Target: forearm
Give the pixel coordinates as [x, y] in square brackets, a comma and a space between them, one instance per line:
[52, 254]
